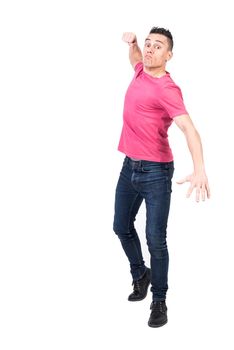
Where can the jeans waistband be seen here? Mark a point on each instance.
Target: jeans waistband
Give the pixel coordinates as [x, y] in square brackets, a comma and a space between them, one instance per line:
[143, 162]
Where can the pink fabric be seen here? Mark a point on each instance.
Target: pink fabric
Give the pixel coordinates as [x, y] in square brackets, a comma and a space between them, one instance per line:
[149, 108]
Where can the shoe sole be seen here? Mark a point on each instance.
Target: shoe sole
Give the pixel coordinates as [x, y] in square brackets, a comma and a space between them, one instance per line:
[156, 326]
[144, 296]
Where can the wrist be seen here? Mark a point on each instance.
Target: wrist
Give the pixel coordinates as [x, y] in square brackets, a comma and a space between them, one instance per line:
[199, 169]
[134, 43]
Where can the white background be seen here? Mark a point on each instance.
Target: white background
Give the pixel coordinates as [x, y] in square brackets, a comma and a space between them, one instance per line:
[64, 279]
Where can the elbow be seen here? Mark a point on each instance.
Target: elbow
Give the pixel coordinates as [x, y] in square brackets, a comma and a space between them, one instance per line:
[191, 131]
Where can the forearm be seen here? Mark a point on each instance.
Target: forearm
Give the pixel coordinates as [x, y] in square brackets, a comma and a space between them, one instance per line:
[195, 147]
[135, 54]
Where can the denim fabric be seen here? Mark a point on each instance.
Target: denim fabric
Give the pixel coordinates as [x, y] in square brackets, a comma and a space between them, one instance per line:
[150, 181]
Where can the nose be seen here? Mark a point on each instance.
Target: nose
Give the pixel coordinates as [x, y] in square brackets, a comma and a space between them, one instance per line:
[149, 49]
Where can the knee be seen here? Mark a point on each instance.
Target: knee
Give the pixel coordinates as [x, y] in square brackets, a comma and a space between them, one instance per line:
[117, 229]
[157, 246]
[124, 233]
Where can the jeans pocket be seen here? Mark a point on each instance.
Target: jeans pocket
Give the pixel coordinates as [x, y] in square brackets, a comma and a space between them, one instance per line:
[152, 168]
[155, 175]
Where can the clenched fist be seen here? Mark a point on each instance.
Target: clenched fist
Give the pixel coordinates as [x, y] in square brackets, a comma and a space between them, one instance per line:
[129, 38]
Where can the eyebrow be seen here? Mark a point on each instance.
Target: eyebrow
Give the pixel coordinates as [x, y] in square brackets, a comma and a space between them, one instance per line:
[155, 41]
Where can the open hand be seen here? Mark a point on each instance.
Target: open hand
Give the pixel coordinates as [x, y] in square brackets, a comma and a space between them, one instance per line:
[198, 182]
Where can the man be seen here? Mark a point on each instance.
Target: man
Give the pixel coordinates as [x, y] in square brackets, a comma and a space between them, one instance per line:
[152, 102]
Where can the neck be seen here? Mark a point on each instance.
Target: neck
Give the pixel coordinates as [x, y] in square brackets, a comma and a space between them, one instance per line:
[155, 72]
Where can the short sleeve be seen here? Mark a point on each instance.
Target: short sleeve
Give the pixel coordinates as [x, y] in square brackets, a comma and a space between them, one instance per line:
[138, 68]
[138, 65]
[172, 100]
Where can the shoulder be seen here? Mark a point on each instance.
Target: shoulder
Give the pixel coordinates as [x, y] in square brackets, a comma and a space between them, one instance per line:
[138, 67]
[169, 83]
[169, 87]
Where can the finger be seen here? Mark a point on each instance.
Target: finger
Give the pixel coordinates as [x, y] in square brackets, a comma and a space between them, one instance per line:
[208, 190]
[182, 181]
[198, 194]
[126, 37]
[203, 192]
[129, 38]
[190, 190]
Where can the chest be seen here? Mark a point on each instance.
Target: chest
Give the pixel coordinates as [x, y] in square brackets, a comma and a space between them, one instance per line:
[143, 94]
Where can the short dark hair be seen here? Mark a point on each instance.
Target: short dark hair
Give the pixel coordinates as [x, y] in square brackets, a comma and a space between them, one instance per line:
[163, 31]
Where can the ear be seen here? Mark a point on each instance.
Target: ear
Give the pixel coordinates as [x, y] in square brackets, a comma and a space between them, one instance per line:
[169, 55]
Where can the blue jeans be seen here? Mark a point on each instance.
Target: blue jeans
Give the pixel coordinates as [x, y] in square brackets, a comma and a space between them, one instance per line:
[150, 181]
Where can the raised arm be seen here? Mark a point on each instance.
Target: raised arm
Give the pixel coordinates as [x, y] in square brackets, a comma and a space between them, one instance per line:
[135, 54]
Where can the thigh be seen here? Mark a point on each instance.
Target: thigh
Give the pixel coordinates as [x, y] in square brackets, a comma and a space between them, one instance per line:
[156, 191]
[127, 201]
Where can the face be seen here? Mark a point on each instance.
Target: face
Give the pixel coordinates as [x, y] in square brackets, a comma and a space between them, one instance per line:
[156, 51]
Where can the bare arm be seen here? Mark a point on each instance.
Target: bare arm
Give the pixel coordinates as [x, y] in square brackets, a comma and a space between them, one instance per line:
[198, 179]
[193, 139]
[135, 54]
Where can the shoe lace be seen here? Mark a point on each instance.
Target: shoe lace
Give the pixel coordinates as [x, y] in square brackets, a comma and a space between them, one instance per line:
[136, 285]
[158, 306]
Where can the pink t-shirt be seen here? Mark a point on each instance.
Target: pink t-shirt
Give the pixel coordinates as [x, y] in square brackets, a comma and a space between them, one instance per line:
[150, 105]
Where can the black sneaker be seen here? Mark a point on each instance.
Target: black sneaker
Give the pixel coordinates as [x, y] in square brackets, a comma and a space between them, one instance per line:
[140, 287]
[158, 316]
